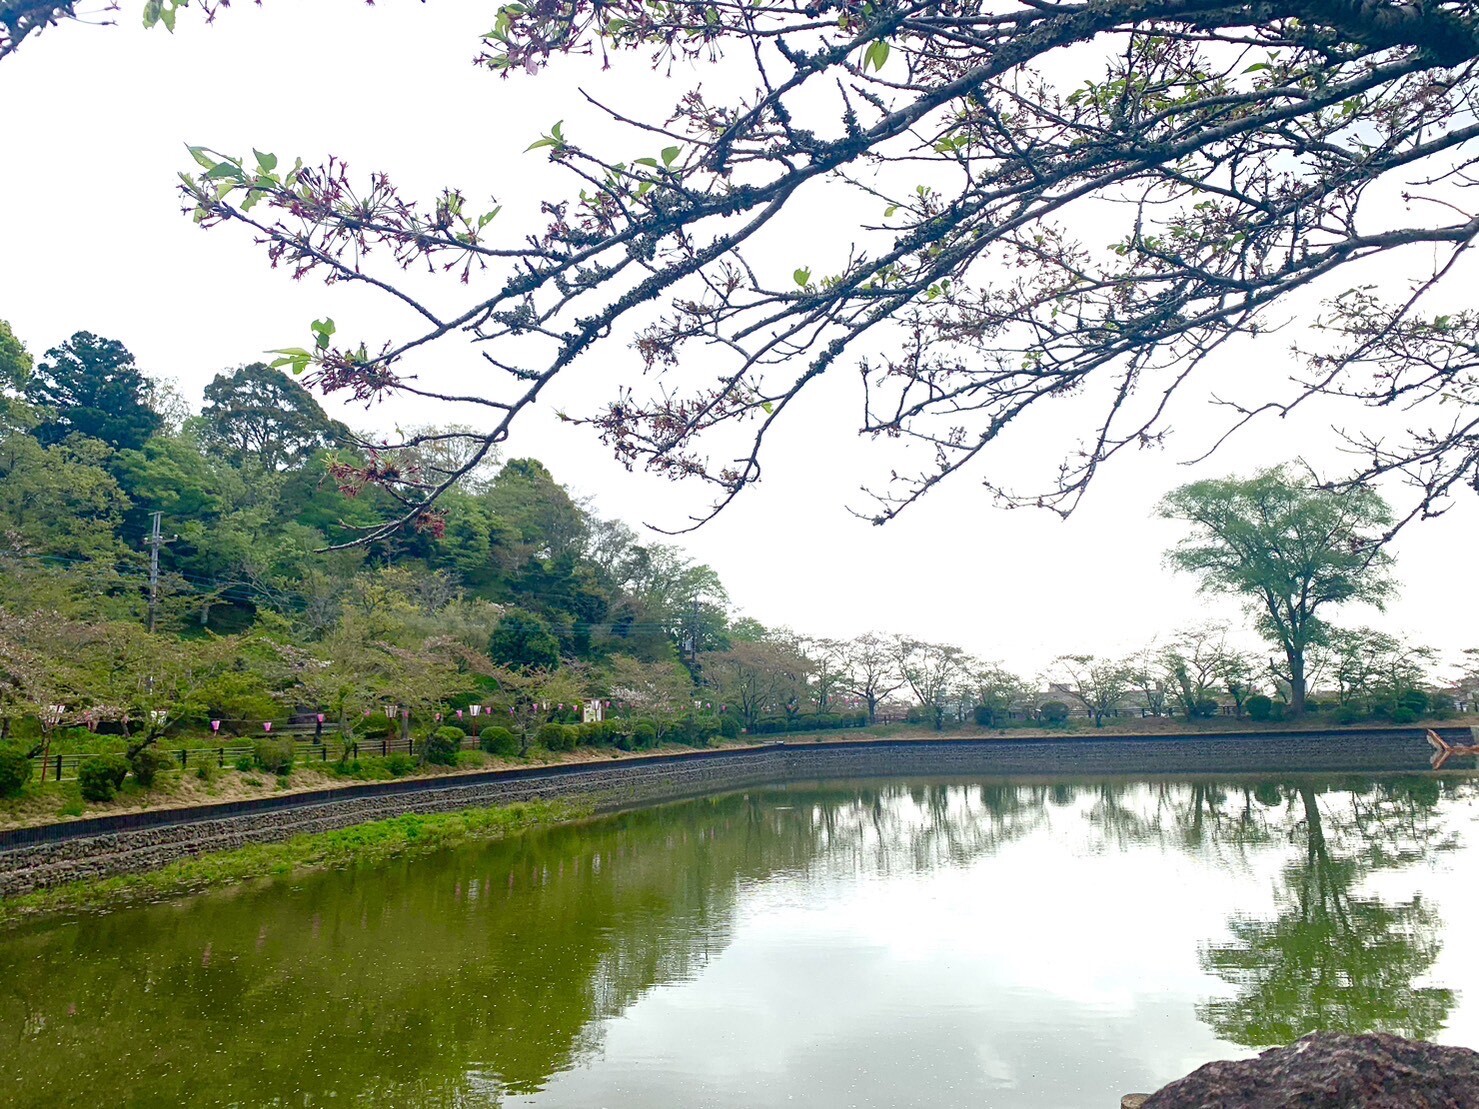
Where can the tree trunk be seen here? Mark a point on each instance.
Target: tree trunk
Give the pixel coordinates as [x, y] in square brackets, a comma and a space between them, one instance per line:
[1296, 682]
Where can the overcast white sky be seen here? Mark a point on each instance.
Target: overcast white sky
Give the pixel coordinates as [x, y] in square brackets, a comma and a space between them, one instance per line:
[96, 123]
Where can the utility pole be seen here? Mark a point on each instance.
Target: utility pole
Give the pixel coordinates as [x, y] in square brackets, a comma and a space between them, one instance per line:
[155, 540]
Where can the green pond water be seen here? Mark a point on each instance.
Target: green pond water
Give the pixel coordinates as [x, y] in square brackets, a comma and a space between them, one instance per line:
[962, 943]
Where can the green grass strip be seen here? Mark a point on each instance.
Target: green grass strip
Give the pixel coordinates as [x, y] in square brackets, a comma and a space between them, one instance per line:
[360, 844]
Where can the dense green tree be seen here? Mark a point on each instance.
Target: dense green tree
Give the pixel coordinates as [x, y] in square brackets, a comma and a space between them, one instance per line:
[15, 360]
[546, 522]
[260, 416]
[1289, 547]
[16, 365]
[523, 641]
[60, 512]
[91, 386]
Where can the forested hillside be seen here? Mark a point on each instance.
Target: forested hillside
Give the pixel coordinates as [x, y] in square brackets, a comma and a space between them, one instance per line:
[513, 593]
[254, 604]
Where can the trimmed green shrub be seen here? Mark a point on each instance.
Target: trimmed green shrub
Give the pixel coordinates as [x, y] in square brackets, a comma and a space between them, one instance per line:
[705, 729]
[147, 763]
[598, 733]
[1348, 714]
[101, 775]
[1404, 715]
[498, 740]
[441, 747]
[15, 771]
[1206, 709]
[400, 764]
[274, 755]
[1259, 707]
[729, 727]
[550, 736]
[1415, 701]
[1054, 712]
[245, 763]
[644, 733]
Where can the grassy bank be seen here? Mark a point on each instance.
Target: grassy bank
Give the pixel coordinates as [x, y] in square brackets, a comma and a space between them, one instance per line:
[410, 834]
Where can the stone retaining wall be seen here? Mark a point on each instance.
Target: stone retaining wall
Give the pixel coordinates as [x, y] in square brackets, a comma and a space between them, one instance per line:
[140, 842]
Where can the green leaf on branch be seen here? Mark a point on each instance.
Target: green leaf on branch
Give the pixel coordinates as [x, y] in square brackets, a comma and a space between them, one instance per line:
[555, 138]
[802, 276]
[670, 154]
[296, 358]
[876, 55]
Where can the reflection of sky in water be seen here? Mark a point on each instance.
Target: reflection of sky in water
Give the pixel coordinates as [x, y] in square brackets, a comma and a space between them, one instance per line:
[1061, 970]
[828, 945]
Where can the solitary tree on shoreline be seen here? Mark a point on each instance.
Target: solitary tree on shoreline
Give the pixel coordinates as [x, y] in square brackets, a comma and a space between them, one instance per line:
[1289, 547]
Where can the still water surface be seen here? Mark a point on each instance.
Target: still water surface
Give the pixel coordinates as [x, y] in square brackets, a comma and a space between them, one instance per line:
[930, 944]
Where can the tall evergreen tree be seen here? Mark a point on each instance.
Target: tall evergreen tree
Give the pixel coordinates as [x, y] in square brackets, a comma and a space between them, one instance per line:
[91, 386]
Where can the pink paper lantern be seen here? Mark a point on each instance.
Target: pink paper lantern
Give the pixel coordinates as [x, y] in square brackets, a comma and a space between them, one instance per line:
[320, 718]
[267, 725]
[215, 725]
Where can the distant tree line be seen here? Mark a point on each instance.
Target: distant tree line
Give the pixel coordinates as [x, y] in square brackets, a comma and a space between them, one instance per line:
[524, 602]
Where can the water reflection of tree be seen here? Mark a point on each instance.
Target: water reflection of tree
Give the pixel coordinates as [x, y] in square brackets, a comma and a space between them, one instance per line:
[1332, 956]
[451, 979]
[463, 977]
[1220, 820]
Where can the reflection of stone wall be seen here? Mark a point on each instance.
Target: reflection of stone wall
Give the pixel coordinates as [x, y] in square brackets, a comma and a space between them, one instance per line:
[35, 858]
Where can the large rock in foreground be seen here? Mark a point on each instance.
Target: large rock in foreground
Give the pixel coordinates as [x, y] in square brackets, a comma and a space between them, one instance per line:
[1330, 1071]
